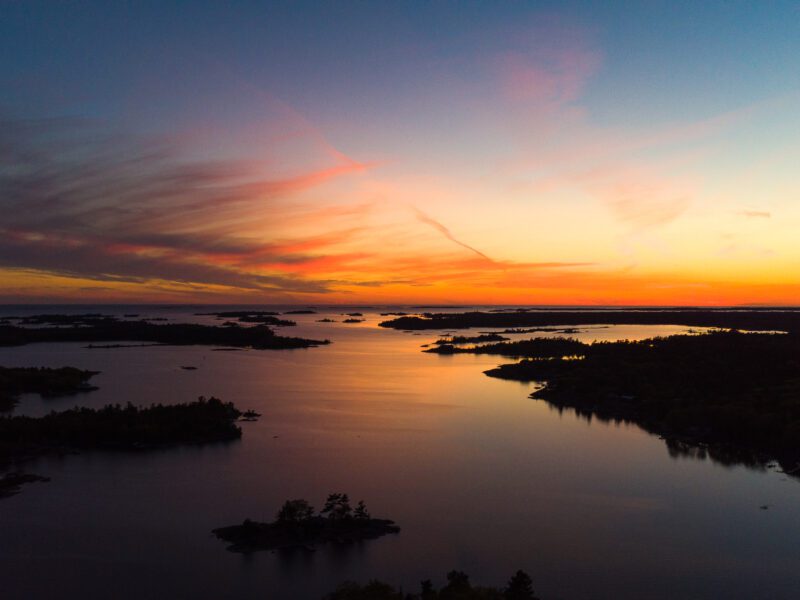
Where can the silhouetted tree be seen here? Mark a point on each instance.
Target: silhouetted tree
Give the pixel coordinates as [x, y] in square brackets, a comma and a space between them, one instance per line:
[361, 511]
[457, 585]
[374, 590]
[295, 511]
[520, 587]
[426, 590]
[337, 506]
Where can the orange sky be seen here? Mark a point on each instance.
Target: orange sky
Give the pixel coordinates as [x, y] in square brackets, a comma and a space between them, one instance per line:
[533, 166]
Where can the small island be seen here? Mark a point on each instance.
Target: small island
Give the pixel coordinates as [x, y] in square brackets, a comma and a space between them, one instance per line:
[47, 382]
[298, 526]
[264, 317]
[475, 339]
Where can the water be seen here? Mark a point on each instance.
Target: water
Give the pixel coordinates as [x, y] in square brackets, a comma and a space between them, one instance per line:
[479, 477]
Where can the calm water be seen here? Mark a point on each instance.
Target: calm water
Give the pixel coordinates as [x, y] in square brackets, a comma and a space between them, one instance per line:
[480, 478]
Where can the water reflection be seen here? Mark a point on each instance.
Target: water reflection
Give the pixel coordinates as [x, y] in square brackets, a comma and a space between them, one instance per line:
[479, 477]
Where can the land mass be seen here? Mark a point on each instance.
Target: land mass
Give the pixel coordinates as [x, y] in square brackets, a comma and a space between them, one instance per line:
[176, 334]
[117, 427]
[786, 319]
[47, 382]
[735, 394]
[536, 347]
[297, 526]
[252, 316]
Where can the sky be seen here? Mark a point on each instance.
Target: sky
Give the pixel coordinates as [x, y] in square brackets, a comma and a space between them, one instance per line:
[579, 153]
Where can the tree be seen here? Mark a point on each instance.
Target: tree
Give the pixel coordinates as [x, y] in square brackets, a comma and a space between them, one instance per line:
[361, 511]
[520, 587]
[337, 506]
[458, 585]
[295, 511]
[426, 590]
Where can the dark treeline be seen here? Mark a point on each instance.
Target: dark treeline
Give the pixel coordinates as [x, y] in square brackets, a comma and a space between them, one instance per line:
[116, 427]
[475, 339]
[298, 525]
[533, 348]
[108, 330]
[780, 320]
[736, 389]
[47, 382]
[458, 587]
[56, 319]
[254, 316]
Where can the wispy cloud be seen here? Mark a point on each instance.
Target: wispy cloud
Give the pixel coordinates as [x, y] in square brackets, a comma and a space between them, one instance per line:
[422, 217]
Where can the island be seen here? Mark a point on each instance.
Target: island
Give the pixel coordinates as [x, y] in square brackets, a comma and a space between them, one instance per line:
[113, 428]
[535, 347]
[117, 427]
[46, 382]
[251, 316]
[296, 525]
[475, 339]
[732, 396]
[769, 319]
[109, 329]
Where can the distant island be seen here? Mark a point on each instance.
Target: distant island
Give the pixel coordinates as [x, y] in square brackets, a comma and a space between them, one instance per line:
[109, 329]
[536, 347]
[297, 525]
[475, 339]
[777, 319]
[47, 382]
[252, 316]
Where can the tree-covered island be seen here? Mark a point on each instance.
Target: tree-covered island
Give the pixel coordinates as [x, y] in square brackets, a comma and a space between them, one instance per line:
[297, 525]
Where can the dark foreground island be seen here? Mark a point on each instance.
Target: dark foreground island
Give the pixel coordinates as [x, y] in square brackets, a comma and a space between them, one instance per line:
[737, 394]
[296, 526]
[113, 428]
[116, 427]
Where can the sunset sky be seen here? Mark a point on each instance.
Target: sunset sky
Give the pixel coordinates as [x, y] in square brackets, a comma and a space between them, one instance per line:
[400, 152]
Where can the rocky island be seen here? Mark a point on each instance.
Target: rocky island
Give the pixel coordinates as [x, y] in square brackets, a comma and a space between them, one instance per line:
[297, 526]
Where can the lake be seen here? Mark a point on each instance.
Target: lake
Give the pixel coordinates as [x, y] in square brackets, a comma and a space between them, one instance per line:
[480, 478]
